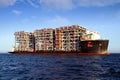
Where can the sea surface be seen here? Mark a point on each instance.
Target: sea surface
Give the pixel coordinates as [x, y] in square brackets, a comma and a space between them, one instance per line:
[44, 67]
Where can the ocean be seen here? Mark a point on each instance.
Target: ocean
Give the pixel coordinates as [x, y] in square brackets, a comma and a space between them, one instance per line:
[44, 67]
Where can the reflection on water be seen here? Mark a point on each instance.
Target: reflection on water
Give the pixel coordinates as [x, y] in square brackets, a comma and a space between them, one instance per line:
[37, 67]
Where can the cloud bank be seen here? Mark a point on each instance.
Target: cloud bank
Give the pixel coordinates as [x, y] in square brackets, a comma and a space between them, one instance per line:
[70, 4]
[97, 3]
[62, 4]
[57, 4]
[7, 2]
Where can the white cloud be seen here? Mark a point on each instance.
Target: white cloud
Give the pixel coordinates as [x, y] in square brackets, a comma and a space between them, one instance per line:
[58, 21]
[25, 20]
[117, 16]
[34, 3]
[7, 2]
[16, 12]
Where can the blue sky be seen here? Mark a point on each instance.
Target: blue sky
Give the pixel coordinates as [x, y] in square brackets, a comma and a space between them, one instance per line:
[99, 15]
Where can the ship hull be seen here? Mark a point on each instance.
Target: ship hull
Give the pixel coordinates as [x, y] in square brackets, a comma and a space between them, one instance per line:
[61, 53]
[87, 47]
[94, 46]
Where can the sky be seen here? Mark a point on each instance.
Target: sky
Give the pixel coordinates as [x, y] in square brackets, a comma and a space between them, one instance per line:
[102, 16]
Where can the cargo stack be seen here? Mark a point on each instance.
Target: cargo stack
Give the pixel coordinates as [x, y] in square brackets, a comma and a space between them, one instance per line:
[24, 41]
[68, 37]
[44, 39]
[58, 39]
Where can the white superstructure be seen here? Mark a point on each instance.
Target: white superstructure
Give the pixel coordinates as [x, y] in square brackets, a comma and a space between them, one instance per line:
[91, 35]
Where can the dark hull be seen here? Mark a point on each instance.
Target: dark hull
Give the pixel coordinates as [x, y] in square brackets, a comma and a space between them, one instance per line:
[96, 46]
[61, 53]
[88, 47]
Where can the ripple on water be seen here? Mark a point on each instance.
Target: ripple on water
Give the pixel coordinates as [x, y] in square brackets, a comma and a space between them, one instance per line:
[36, 67]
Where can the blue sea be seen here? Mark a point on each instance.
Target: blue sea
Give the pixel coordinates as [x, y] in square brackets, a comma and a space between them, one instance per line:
[44, 67]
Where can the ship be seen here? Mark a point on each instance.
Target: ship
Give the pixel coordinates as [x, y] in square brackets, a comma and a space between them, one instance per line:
[72, 40]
